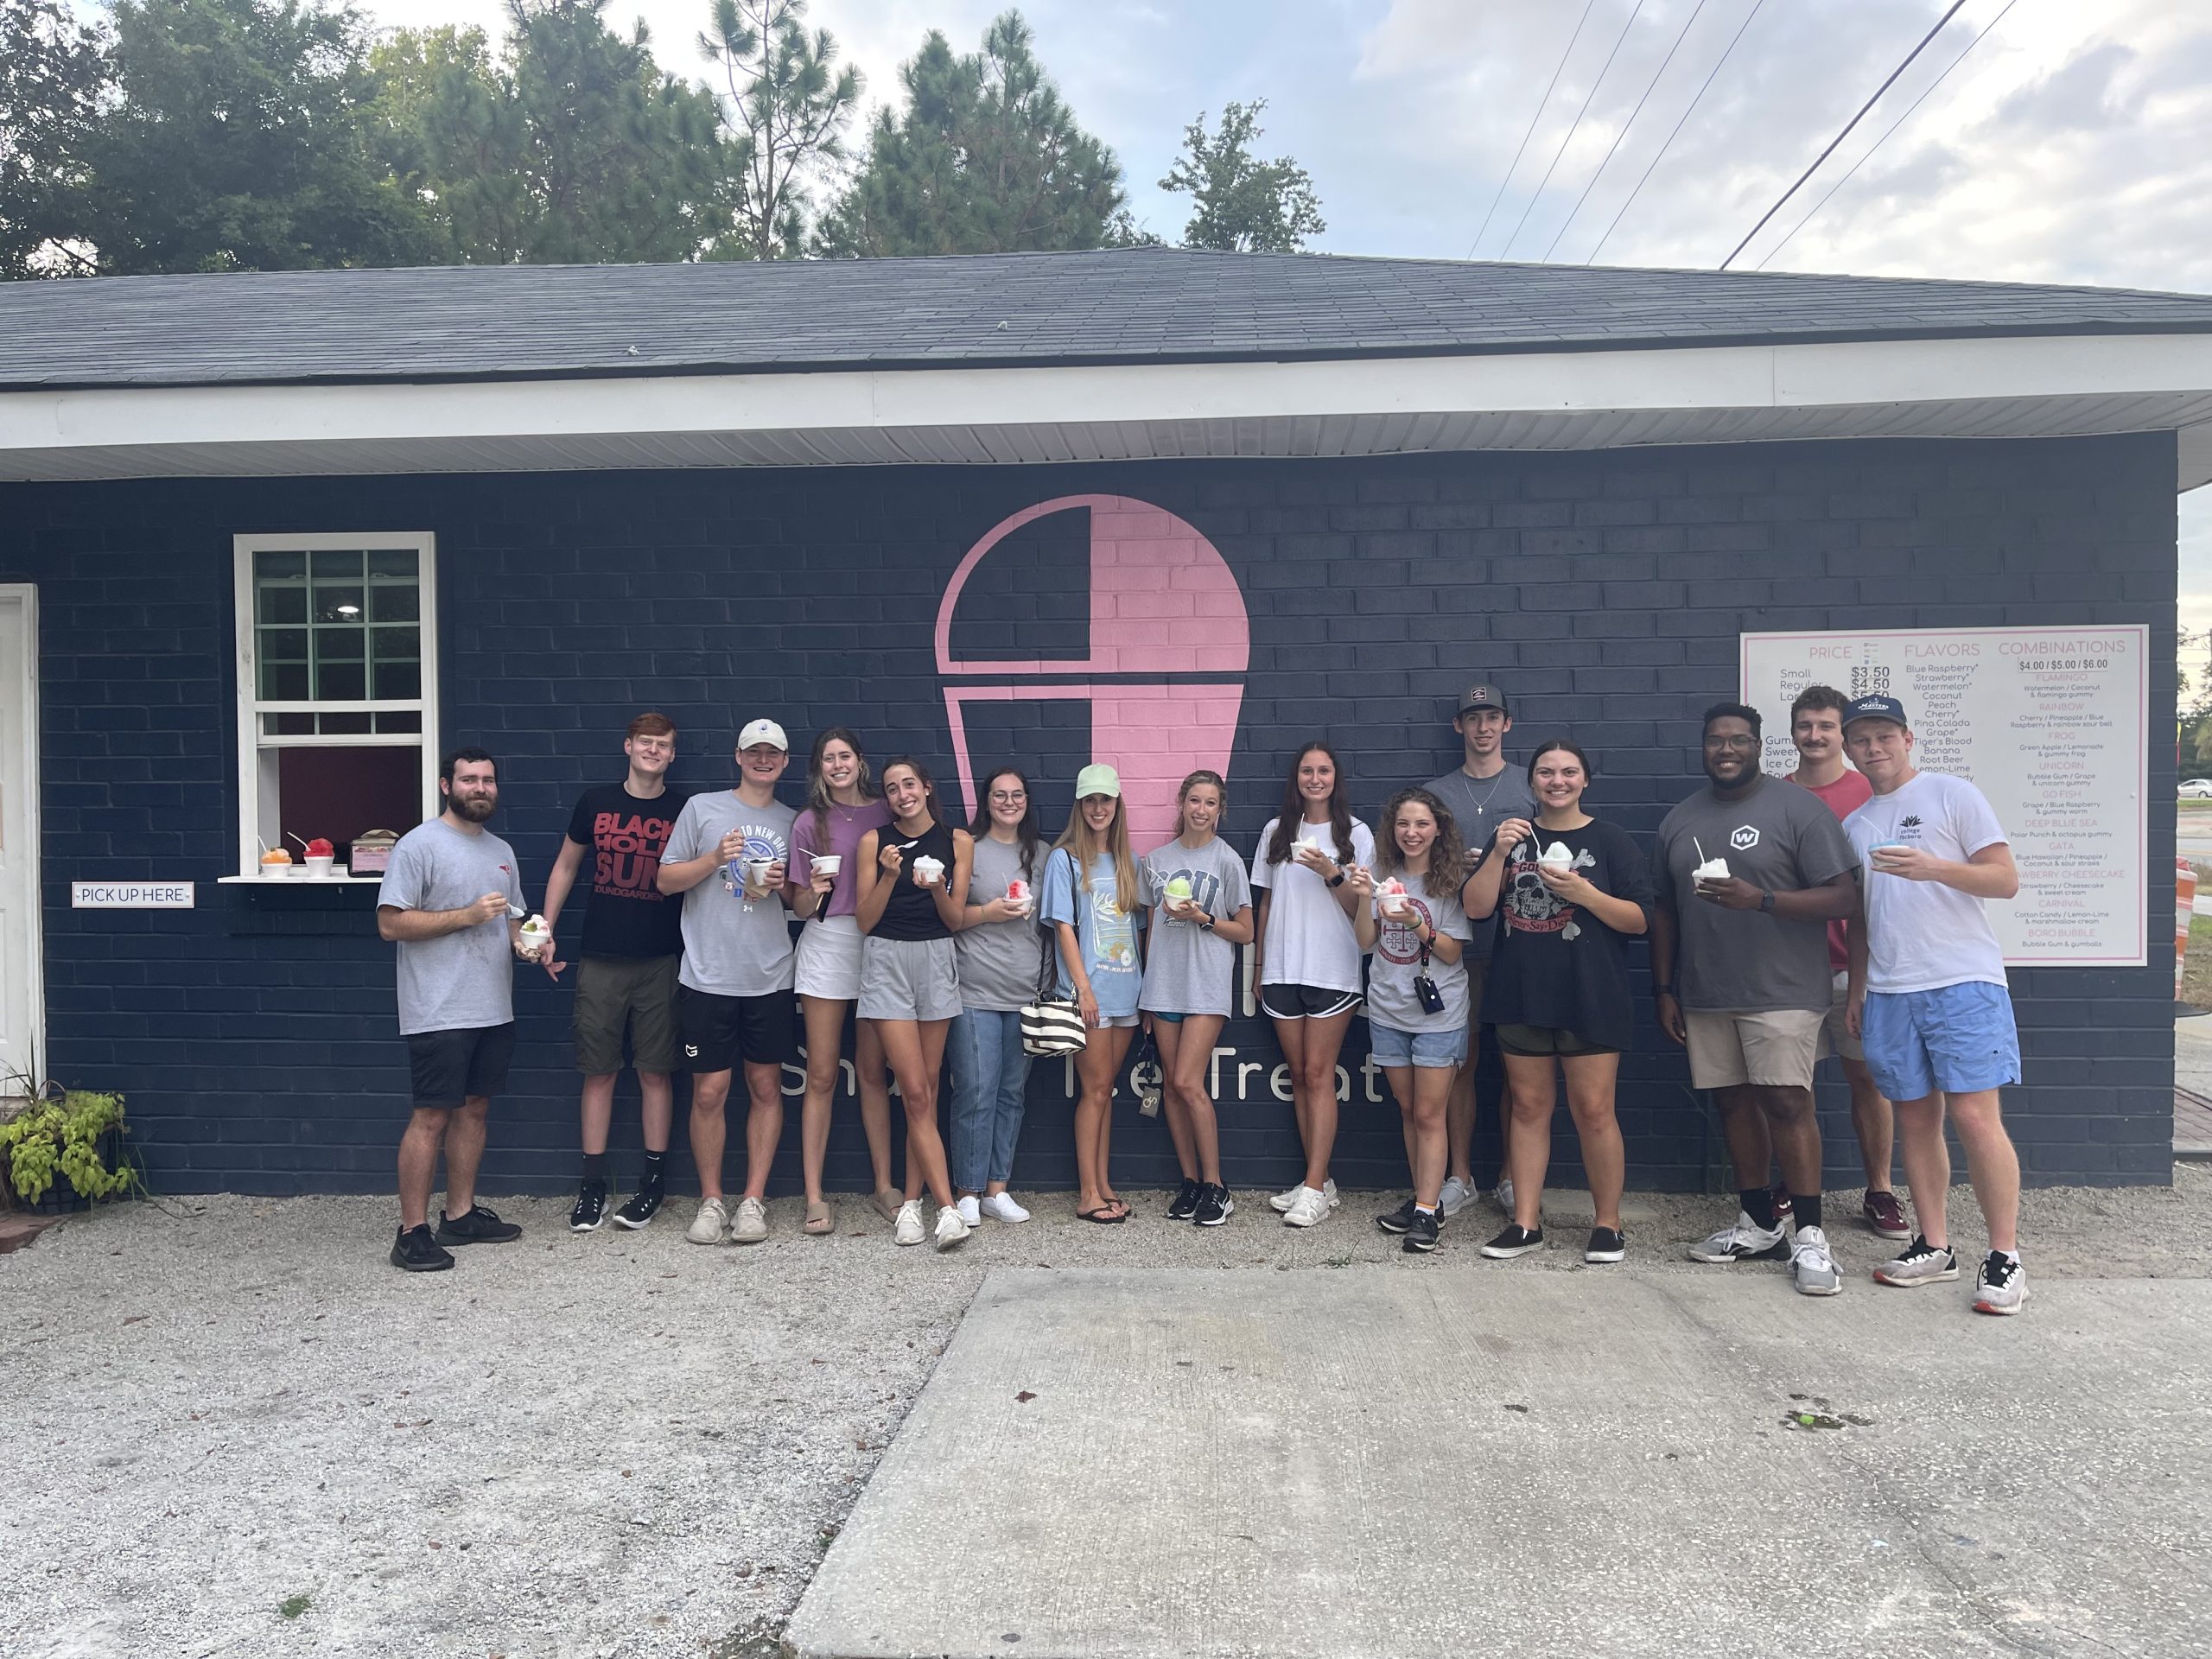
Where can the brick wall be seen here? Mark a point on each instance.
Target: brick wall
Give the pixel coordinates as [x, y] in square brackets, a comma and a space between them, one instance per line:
[1606, 591]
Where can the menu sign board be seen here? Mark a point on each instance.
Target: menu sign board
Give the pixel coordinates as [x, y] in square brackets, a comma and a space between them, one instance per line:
[2052, 724]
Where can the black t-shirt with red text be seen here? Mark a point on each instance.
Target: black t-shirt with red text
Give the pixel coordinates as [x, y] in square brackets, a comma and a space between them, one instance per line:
[623, 838]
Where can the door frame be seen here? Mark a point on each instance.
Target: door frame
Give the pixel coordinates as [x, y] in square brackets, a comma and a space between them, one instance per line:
[24, 595]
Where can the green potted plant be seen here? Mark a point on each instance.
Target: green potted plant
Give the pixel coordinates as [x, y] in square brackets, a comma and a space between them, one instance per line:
[63, 1148]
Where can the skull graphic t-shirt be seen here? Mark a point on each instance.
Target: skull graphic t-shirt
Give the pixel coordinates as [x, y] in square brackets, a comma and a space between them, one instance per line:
[1557, 966]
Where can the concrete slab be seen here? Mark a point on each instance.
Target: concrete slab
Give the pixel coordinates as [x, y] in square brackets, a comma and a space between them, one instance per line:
[1399, 1460]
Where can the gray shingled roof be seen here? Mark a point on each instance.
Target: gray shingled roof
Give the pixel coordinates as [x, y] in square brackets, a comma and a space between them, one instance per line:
[1119, 306]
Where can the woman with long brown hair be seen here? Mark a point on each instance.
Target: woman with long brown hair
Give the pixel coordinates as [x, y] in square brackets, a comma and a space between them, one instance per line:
[1094, 902]
[1306, 962]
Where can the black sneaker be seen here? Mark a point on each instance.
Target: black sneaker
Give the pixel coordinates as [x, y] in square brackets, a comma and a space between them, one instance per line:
[478, 1226]
[643, 1205]
[1421, 1236]
[1185, 1203]
[1607, 1244]
[1515, 1240]
[415, 1251]
[590, 1208]
[1781, 1197]
[1214, 1207]
[1398, 1220]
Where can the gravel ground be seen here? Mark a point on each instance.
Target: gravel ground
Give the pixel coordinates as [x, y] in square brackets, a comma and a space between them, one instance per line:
[641, 1447]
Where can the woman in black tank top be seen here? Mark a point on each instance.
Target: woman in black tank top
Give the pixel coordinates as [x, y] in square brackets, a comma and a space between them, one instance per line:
[912, 896]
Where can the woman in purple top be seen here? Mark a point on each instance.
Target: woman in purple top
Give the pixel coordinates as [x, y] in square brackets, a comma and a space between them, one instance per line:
[841, 807]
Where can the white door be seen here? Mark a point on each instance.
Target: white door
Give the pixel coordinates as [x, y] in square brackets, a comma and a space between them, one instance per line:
[22, 996]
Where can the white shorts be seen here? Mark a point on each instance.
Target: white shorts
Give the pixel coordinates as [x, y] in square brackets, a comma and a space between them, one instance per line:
[828, 958]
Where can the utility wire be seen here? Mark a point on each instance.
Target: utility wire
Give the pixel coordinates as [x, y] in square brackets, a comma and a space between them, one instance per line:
[1879, 142]
[1540, 105]
[1507, 253]
[1956, 7]
[1622, 133]
[1756, 7]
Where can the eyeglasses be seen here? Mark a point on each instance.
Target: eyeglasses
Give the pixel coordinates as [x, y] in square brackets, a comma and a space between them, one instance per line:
[1009, 797]
[1744, 744]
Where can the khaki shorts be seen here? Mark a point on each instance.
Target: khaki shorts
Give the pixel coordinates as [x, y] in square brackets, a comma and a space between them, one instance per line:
[615, 993]
[1774, 1049]
[1836, 1035]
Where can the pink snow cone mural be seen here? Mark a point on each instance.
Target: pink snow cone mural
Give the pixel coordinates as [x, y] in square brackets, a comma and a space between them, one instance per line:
[1168, 626]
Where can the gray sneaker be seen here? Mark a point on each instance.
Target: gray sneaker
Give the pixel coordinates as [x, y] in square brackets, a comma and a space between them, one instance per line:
[752, 1223]
[1812, 1266]
[2001, 1285]
[710, 1223]
[1458, 1195]
[1746, 1241]
[1922, 1264]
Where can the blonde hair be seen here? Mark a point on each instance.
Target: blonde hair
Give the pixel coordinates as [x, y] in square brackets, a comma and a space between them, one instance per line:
[1082, 846]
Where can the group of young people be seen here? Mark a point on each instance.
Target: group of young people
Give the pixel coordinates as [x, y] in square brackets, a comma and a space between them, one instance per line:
[1784, 916]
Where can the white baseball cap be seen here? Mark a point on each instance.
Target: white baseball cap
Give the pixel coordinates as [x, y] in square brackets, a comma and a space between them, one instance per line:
[764, 731]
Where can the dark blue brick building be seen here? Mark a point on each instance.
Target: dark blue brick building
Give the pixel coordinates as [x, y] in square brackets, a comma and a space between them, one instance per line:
[555, 498]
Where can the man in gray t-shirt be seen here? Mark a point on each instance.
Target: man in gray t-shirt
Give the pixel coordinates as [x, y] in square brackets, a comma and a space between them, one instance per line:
[1482, 793]
[1751, 870]
[452, 900]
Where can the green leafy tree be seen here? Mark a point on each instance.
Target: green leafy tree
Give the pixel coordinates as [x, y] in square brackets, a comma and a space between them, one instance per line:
[1241, 205]
[985, 158]
[53, 71]
[237, 139]
[573, 148]
[785, 118]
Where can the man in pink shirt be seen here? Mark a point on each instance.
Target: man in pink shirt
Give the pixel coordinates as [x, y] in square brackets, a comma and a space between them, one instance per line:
[1816, 727]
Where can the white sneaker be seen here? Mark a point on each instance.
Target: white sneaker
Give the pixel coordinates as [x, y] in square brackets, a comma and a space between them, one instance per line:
[752, 1223]
[908, 1229]
[1458, 1195]
[971, 1210]
[1307, 1209]
[1746, 1241]
[2000, 1287]
[710, 1223]
[952, 1227]
[1812, 1266]
[1505, 1195]
[1000, 1206]
[1282, 1202]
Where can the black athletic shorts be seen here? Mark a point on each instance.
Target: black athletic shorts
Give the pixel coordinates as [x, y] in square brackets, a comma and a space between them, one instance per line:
[718, 1032]
[452, 1066]
[1305, 1001]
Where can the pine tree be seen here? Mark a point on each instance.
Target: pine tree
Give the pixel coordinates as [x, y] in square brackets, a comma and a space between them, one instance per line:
[1240, 204]
[785, 117]
[985, 158]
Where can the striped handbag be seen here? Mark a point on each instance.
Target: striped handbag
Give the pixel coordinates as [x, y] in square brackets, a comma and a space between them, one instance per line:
[1051, 1023]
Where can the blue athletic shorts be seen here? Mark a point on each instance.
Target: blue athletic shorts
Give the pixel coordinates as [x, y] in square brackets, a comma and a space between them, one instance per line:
[1428, 1050]
[1958, 1038]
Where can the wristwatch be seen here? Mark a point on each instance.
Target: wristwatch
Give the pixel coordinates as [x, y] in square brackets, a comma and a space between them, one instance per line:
[1206, 922]
[1766, 899]
[1337, 880]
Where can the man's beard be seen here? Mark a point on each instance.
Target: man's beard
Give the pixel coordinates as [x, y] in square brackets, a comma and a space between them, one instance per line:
[476, 808]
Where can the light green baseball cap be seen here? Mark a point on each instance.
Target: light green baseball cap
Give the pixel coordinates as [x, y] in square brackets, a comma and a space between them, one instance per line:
[1097, 779]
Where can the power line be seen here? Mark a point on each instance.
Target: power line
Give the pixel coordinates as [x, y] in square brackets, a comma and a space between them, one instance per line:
[1879, 142]
[1575, 126]
[1956, 7]
[1757, 6]
[1622, 133]
[1538, 116]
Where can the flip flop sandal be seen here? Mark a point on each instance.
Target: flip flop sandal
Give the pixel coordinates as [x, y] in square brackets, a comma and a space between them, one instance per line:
[1102, 1217]
[819, 1220]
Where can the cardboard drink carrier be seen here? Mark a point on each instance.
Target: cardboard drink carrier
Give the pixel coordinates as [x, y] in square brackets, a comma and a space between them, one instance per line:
[372, 852]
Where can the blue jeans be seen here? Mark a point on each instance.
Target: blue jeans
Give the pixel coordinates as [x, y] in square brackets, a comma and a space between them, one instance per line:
[990, 1080]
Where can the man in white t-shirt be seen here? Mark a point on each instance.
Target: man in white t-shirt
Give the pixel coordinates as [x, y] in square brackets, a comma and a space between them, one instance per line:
[1927, 994]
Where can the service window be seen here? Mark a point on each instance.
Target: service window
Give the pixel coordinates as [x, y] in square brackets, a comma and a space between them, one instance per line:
[337, 689]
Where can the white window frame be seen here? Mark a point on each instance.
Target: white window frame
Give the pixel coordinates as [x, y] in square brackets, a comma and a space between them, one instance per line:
[257, 751]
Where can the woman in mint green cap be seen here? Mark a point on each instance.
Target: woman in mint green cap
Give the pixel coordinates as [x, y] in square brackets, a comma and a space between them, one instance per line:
[1094, 901]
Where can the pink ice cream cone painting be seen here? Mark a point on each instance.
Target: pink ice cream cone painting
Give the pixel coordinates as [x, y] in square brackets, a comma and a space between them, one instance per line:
[1167, 630]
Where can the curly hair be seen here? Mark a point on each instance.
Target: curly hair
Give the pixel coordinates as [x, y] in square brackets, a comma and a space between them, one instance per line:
[1447, 854]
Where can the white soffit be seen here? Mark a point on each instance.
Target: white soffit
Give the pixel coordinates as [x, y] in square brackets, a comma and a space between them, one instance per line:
[2029, 387]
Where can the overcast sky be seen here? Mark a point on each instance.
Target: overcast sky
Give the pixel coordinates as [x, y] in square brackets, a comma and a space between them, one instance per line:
[2074, 144]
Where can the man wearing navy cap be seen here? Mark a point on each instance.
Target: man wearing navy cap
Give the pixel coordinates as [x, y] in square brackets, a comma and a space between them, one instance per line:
[1929, 996]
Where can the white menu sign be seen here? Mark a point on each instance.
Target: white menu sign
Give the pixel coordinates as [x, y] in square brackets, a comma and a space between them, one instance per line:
[2052, 724]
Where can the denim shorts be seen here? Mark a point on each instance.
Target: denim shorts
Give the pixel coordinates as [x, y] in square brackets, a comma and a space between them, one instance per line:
[1432, 1049]
[1960, 1039]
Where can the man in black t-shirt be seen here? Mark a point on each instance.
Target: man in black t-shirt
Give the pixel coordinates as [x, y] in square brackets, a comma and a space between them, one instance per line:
[626, 980]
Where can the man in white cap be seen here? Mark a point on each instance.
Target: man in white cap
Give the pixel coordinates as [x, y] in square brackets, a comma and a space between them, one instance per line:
[729, 856]
[1929, 996]
[1483, 792]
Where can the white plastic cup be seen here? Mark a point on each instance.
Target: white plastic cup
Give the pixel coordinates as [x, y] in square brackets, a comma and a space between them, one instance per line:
[828, 864]
[319, 864]
[931, 870]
